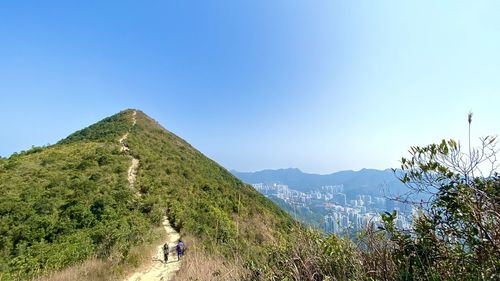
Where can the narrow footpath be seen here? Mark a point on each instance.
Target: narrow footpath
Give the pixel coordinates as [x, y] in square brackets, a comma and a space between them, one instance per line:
[157, 269]
[132, 170]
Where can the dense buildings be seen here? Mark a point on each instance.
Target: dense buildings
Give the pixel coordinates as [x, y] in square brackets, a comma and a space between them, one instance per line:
[336, 212]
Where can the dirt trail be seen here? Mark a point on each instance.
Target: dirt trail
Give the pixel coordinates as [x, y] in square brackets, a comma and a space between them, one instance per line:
[123, 146]
[132, 170]
[157, 270]
[132, 173]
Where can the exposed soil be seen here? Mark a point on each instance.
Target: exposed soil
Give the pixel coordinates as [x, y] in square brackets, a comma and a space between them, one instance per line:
[158, 269]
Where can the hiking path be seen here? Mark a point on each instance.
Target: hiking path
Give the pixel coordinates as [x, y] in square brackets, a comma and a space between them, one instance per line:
[157, 269]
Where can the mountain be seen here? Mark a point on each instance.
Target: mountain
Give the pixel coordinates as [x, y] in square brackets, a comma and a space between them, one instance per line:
[81, 199]
[365, 181]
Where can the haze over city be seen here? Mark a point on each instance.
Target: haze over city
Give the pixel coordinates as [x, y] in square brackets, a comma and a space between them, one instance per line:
[260, 84]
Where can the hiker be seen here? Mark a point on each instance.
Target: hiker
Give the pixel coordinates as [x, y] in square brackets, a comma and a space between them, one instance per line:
[165, 252]
[180, 249]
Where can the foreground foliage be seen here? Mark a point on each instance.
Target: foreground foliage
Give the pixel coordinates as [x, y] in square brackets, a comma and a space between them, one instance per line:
[455, 236]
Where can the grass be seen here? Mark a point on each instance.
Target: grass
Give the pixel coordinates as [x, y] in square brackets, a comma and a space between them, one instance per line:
[89, 270]
[104, 270]
[198, 266]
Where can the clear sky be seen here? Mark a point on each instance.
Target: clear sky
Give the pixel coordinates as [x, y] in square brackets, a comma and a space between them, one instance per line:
[319, 85]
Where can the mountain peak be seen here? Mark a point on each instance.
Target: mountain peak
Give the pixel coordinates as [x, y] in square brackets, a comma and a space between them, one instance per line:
[108, 129]
[104, 188]
[287, 170]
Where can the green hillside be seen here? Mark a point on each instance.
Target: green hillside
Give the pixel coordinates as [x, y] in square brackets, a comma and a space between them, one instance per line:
[71, 201]
[69, 212]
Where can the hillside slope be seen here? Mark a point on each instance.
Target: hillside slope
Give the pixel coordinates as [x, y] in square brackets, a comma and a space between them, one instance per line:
[71, 201]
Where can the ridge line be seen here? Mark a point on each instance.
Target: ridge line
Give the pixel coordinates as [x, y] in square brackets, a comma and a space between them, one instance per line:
[168, 270]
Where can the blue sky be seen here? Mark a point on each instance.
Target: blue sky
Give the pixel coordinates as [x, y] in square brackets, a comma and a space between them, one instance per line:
[319, 85]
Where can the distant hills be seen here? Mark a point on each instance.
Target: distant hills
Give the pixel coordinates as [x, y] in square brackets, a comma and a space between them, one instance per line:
[365, 181]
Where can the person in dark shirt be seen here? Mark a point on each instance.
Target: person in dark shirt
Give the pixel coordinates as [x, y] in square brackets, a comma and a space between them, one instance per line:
[165, 252]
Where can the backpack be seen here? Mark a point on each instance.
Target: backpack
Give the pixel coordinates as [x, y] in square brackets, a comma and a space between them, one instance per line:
[165, 248]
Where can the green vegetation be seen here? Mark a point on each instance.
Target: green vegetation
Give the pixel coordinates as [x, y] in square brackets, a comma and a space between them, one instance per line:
[70, 202]
[456, 235]
[109, 130]
[201, 198]
[308, 216]
[65, 203]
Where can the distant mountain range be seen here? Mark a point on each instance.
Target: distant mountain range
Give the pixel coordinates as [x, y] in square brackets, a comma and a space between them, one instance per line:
[365, 181]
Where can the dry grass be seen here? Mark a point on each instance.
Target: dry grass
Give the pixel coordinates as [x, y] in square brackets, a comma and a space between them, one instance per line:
[105, 270]
[198, 266]
[376, 255]
[142, 257]
[94, 269]
[257, 226]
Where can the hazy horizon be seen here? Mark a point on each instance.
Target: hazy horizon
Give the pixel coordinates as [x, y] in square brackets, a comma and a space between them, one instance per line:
[307, 172]
[255, 85]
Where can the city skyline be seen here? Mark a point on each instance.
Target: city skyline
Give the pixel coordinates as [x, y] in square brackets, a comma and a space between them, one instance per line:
[263, 85]
[331, 210]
